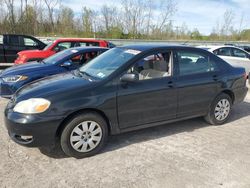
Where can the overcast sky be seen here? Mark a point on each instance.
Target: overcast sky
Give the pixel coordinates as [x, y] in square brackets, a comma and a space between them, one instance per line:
[201, 14]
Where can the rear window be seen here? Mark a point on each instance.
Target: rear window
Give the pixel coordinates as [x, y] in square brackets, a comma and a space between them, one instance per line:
[194, 63]
[82, 44]
[13, 40]
[29, 42]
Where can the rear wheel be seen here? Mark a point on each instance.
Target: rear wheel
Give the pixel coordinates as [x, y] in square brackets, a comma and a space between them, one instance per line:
[84, 135]
[220, 110]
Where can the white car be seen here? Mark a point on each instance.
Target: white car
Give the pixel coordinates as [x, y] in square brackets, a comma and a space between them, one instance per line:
[231, 54]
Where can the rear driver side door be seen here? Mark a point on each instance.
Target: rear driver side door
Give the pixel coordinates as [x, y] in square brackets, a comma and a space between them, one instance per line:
[198, 82]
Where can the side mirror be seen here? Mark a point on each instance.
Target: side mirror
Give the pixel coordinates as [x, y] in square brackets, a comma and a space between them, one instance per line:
[56, 49]
[66, 64]
[130, 78]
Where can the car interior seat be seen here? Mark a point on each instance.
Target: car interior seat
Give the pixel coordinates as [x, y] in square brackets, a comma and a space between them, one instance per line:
[154, 69]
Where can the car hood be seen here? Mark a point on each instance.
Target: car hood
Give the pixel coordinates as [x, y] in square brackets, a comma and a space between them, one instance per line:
[53, 85]
[24, 69]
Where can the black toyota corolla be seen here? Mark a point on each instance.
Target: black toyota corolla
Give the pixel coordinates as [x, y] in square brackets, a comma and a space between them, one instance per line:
[124, 89]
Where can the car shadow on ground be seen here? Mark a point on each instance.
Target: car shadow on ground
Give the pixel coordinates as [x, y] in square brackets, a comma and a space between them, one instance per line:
[119, 141]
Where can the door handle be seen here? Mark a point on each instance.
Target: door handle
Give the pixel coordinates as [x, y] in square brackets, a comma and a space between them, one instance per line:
[170, 84]
[215, 78]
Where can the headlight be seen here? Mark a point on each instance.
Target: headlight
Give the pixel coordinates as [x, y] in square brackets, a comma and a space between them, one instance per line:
[15, 78]
[32, 106]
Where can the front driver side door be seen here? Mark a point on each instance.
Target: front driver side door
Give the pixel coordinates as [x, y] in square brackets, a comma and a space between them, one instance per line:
[153, 98]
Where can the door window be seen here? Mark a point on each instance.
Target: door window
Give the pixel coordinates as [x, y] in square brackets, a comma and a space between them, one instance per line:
[13, 40]
[82, 44]
[223, 51]
[63, 46]
[239, 53]
[194, 63]
[153, 66]
[85, 57]
[29, 42]
[1, 39]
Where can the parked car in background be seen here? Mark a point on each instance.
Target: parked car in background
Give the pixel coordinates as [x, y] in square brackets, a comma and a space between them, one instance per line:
[231, 54]
[57, 46]
[244, 47]
[124, 89]
[15, 77]
[11, 44]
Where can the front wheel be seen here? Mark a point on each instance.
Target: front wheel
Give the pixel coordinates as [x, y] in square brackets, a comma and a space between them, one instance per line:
[220, 110]
[84, 135]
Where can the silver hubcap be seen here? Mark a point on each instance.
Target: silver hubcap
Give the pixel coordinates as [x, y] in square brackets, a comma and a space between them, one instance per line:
[222, 109]
[86, 136]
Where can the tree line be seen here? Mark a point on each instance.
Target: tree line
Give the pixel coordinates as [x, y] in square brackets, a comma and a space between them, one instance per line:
[132, 19]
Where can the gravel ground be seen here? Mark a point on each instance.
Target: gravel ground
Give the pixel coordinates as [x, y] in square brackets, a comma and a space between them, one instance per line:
[185, 154]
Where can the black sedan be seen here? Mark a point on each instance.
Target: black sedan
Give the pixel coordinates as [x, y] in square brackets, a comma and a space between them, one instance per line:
[15, 77]
[124, 89]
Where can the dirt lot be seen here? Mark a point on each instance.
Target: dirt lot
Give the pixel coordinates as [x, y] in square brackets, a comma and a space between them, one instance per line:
[184, 154]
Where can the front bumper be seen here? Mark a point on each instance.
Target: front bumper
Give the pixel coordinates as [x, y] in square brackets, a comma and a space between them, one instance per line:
[31, 130]
[19, 61]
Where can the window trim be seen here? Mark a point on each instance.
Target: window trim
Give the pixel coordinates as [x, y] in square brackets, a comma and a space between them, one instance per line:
[230, 49]
[171, 65]
[210, 58]
[232, 53]
[37, 44]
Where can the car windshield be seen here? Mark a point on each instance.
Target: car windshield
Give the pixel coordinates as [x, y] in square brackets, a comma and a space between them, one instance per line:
[59, 56]
[48, 45]
[105, 64]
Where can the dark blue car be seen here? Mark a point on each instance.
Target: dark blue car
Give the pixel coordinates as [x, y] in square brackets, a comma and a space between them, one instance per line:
[124, 89]
[15, 77]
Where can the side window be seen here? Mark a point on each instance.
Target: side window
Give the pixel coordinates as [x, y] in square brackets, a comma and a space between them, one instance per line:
[239, 53]
[1, 39]
[13, 40]
[29, 42]
[223, 51]
[84, 57]
[152, 66]
[88, 44]
[63, 46]
[194, 63]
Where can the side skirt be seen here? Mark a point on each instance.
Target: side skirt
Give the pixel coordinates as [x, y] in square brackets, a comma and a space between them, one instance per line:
[158, 123]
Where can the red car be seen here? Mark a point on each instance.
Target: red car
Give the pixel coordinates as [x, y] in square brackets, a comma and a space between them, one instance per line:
[57, 46]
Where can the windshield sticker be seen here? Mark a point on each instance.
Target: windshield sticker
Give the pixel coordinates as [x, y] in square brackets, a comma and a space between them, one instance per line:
[101, 75]
[74, 51]
[134, 52]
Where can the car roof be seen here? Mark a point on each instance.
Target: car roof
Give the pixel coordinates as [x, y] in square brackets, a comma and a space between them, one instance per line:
[87, 48]
[215, 47]
[78, 39]
[145, 47]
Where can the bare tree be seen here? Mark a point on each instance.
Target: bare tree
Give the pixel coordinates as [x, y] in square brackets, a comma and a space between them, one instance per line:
[87, 21]
[134, 14]
[227, 25]
[109, 14]
[11, 14]
[51, 4]
[168, 8]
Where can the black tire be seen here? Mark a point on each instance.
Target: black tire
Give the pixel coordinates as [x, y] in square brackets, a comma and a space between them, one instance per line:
[211, 117]
[68, 131]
